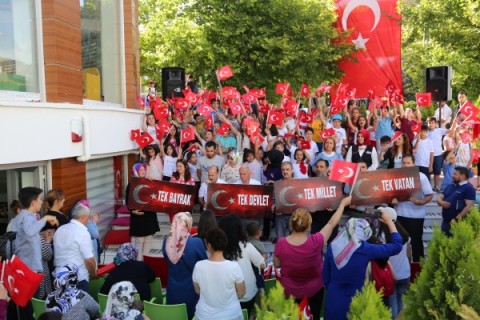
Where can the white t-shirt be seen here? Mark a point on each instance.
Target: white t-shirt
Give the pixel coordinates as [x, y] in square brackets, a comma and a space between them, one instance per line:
[297, 174]
[153, 132]
[252, 182]
[255, 168]
[463, 154]
[250, 256]
[73, 245]
[341, 135]
[410, 210]
[422, 157]
[169, 165]
[436, 137]
[446, 115]
[218, 296]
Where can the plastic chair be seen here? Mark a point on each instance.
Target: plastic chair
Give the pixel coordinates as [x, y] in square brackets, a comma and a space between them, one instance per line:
[156, 291]
[245, 314]
[165, 311]
[94, 286]
[159, 266]
[269, 284]
[38, 307]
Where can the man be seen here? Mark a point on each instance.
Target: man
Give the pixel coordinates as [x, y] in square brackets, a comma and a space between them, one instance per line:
[212, 177]
[73, 245]
[443, 114]
[462, 99]
[457, 199]
[435, 136]
[245, 177]
[28, 243]
[411, 213]
[282, 220]
[209, 159]
[321, 168]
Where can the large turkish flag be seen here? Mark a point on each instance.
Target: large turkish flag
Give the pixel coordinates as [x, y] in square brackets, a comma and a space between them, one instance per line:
[376, 33]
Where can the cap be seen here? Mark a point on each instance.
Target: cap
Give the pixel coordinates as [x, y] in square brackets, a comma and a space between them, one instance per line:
[337, 117]
[391, 212]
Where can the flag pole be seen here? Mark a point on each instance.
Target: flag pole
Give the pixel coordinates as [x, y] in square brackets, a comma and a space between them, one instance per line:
[354, 179]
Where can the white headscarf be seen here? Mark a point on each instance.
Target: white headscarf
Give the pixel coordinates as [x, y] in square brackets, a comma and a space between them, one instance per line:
[349, 240]
[119, 303]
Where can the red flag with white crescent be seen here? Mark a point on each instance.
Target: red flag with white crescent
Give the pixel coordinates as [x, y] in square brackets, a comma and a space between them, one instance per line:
[305, 91]
[343, 171]
[134, 134]
[275, 117]
[20, 281]
[423, 99]
[144, 140]
[305, 312]
[224, 73]
[376, 33]
[187, 135]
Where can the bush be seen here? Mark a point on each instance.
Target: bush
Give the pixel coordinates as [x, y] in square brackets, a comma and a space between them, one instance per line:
[275, 305]
[450, 277]
[367, 304]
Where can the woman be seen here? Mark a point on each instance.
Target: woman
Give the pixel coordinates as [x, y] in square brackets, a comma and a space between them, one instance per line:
[46, 237]
[127, 268]
[300, 256]
[393, 156]
[182, 175]
[329, 152]
[53, 203]
[230, 173]
[363, 151]
[206, 223]
[182, 252]
[244, 253]
[66, 299]
[120, 303]
[219, 282]
[346, 262]
[143, 224]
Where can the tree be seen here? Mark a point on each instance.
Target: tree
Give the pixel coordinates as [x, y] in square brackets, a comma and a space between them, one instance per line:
[442, 32]
[264, 42]
[368, 304]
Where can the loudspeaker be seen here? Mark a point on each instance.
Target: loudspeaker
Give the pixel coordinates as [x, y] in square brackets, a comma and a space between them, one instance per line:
[437, 82]
[173, 82]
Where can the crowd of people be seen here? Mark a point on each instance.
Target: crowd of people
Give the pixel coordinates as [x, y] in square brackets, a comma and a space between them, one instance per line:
[216, 273]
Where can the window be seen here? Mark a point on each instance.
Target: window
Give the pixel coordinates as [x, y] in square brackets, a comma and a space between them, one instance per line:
[101, 50]
[18, 50]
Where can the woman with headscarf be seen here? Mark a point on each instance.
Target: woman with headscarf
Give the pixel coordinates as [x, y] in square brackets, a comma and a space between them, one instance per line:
[66, 299]
[143, 224]
[127, 268]
[120, 303]
[346, 263]
[182, 252]
[363, 151]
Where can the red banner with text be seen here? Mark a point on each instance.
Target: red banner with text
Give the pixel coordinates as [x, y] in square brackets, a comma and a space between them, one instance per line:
[314, 194]
[377, 187]
[375, 27]
[160, 196]
[248, 201]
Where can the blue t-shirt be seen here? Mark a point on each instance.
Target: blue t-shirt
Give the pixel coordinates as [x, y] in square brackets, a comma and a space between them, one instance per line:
[447, 174]
[384, 127]
[456, 196]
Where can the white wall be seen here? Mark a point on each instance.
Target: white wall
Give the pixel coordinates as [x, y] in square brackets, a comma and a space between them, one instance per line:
[34, 131]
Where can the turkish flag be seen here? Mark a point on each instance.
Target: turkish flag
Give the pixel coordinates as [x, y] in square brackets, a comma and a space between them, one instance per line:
[466, 137]
[20, 281]
[187, 135]
[291, 107]
[343, 171]
[163, 126]
[223, 129]
[305, 312]
[468, 109]
[134, 134]
[229, 92]
[305, 117]
[397, 135]
[236, 108]
[305, 91]
[255, 137]
[140, 102]
[191, 97]
[350, 94]
[253, 128]
[248, 98]
[224, 73]
[182, 104]
[105, 269]
[335, 109]
[376, 33]
[416, 128]
[259, 93]
[284, 88]
[322, 89]
[327, 133]
[204, 110]
[144, 140]
[304, 144]
[275, 117]
[209, 122]
[289, 135]
[264, 106]
[398, 97]
[161, 113]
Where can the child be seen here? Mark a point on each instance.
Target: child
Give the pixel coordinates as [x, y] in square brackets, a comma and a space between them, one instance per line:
[254, 232]
[154, 162]
[149, 126]
[170, 156]
[300, 164]
[448, 168]
[423, 148]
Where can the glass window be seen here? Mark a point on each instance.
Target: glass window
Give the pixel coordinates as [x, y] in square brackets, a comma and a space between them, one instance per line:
[18, 50]
[101, 50]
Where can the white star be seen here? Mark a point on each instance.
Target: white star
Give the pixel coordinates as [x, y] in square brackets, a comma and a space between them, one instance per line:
[300, 196]
[15, 290]
[375, 188]
[340, 170]
[153, 196]
[360, 42]
[231, 200]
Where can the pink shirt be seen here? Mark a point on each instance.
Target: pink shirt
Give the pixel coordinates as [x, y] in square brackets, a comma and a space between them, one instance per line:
[301, 265]
[182, 181]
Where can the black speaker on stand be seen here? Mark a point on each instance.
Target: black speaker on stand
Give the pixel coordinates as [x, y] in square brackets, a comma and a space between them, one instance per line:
[438, 82]
[173, 82]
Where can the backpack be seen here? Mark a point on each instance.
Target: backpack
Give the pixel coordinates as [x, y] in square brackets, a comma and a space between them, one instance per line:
[383, 278]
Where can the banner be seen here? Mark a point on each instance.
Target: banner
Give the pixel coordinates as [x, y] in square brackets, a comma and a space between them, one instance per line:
[314, 194]
[160, 196]
[376, 33]
[248, 201]
[377, 187]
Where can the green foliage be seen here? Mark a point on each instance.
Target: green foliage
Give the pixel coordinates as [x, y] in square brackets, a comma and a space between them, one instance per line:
[264, 42]
[442, 32]
[275, 306]
[450, 276]
[367, 304]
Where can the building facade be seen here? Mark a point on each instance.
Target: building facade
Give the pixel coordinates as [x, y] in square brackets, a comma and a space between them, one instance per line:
[69, 76]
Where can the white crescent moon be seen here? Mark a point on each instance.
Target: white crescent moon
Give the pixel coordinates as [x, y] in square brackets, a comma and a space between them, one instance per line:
[350, 172]
[214, 199]
[136, 192]
[352, 5]
[274, 117]
[10, 278]
[282, 199]
[357, 189]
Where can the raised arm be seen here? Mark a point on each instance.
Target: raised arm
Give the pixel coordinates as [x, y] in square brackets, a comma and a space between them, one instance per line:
[335, 219]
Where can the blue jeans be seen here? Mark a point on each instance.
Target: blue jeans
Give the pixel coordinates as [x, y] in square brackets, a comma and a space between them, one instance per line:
[395, 300]
[281, 225]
